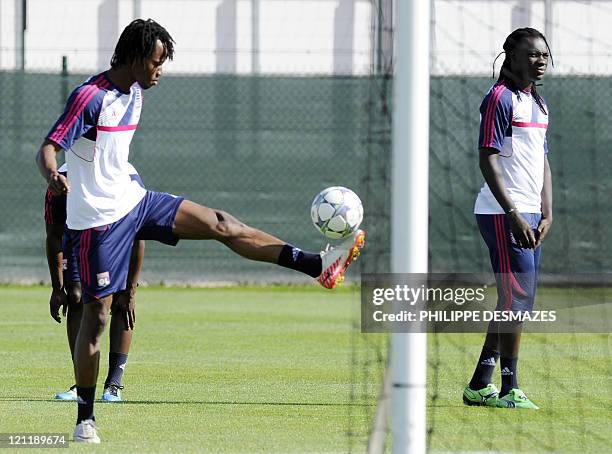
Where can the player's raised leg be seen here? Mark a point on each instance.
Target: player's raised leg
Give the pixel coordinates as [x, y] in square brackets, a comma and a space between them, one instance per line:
[197, 222]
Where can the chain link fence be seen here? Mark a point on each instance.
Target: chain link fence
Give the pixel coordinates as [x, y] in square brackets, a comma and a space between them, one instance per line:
[579, 141]
[262, 147]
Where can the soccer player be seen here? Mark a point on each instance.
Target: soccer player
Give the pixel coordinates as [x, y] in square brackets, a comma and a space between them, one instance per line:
[66, 294]
[514, 207]
[105, 208]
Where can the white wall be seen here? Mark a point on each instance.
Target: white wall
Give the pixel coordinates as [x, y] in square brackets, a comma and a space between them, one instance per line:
[299, 36]
[10, 16]
[468, 34]
[229, 36]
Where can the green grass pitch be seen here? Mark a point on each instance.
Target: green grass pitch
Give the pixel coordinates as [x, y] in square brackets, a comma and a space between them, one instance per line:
[280, 369]
[210, 370]
[567, 375]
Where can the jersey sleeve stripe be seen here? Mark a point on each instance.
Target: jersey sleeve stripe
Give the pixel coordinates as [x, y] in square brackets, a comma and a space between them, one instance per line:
[78, 100]
[75, 110]
[70, 113]
[489, 121]
[487, 117]
[491, 111]
[68, 122]
[62, 128]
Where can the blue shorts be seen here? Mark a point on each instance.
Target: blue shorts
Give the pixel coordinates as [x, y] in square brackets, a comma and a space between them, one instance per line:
[55, 213]
[103, 253]
[516, 269]
[70, 265]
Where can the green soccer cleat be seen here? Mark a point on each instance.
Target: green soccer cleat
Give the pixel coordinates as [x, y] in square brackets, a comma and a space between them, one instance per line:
[517, 399]
[487, 396]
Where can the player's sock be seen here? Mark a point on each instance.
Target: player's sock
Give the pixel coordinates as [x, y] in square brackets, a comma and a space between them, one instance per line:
[116, 367]
[86, 403]
[484, 369]
[508, 375]
[296, 259]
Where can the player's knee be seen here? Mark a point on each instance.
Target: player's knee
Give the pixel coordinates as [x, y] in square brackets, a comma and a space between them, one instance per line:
[97, 314]
[74, 296]
[227, 226]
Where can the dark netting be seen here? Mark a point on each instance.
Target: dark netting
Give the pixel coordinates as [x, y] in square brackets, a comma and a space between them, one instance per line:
[262, 147]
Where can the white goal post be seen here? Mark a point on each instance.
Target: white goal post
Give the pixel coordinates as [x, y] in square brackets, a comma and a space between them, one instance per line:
[409, 214]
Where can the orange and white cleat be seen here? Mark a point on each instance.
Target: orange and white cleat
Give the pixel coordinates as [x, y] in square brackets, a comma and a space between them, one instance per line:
[337, 259]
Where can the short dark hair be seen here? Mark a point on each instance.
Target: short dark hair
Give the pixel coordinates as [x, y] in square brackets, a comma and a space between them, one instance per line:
[137, 41]
[505, 73]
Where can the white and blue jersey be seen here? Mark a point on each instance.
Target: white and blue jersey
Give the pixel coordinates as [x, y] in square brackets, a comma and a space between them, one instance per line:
[106, 208]
[513, 123]
[96, 129]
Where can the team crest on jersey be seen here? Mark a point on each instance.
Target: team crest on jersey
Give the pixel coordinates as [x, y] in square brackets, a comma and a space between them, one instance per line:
[103, 279]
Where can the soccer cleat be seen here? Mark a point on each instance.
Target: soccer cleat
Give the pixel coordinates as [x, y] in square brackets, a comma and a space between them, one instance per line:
[70, 395]
[487, 396]
[86, 432]
[336, 260]
[111, 393]
[517, 399]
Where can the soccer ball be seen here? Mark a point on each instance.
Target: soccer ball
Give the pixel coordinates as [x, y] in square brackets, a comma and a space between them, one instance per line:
[336, 212]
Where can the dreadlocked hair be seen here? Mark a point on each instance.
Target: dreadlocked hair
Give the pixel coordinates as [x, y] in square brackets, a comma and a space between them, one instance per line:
[137, 41]
[505, 73]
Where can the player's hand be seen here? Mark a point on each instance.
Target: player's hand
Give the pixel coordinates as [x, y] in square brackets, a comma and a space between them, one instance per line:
[58, 299]
[544, 227]
[521, 230]
[125, 302]
[58, 184]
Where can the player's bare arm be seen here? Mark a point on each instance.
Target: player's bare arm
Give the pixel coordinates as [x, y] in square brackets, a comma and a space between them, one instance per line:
[125, 301]
[46, 160]
[491, 172]
[54, 260]
[547, 203]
